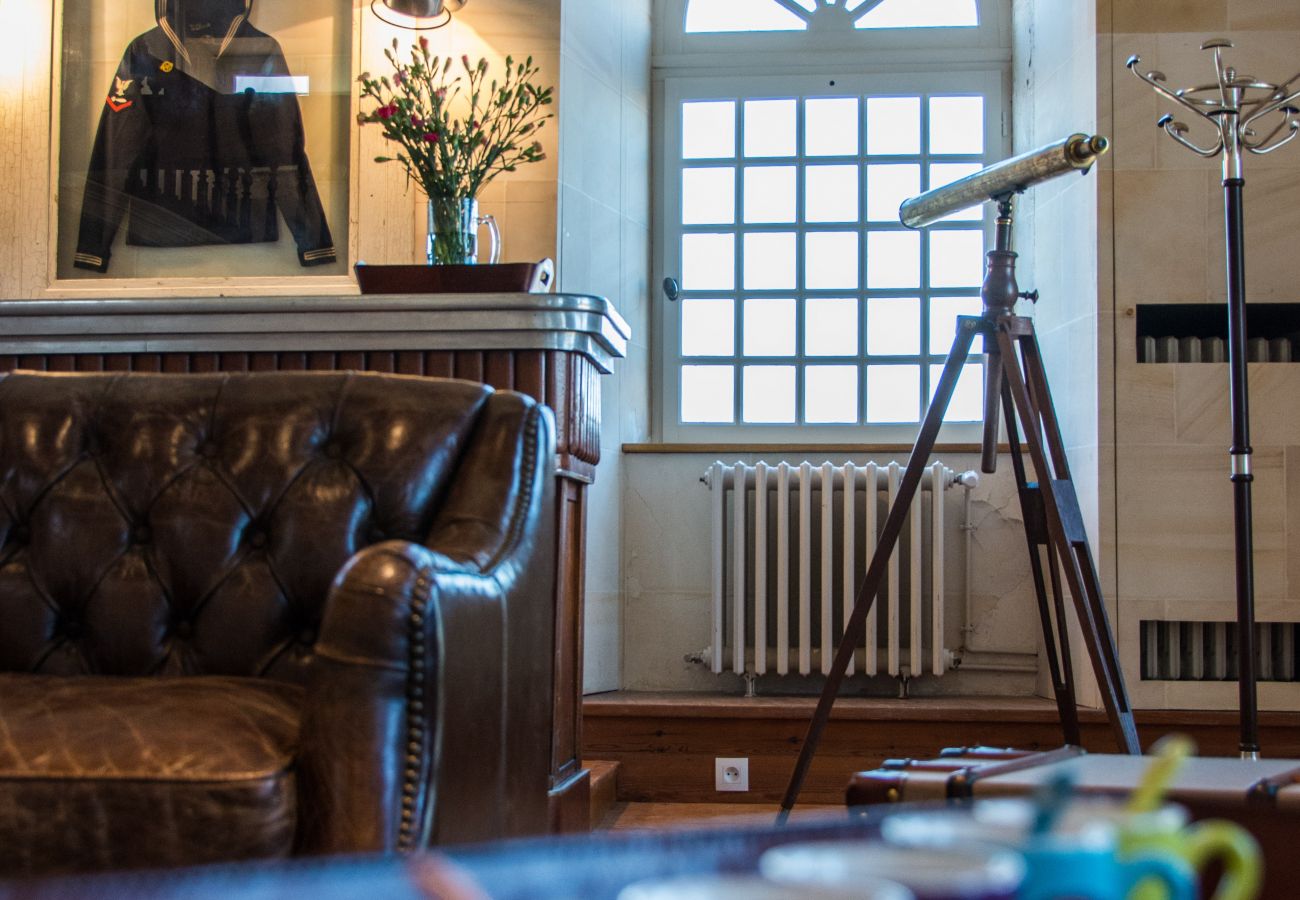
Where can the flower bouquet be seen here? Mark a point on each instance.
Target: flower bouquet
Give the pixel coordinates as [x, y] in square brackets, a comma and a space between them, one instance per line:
[454, 131]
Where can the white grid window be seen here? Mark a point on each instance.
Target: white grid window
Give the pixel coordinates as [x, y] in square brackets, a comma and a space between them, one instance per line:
[807, 310]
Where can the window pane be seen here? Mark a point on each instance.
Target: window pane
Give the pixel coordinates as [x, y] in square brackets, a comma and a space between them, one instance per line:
[709, 129]
[831, 326]
[708, 262]
[708, 394]
[705, 16]
[769, 261]
[943, 319]
[893, 259]
[893, 394]
[893, 326]
[831, 394]
[913, 14]
[956, 258]
[769, 327]
[769, 194]
[769, 394]
[832, 260]
[888, 187]
[709, 196]
[708, 328]
[831, 127]
[968, 399]
[957, 125]
[831, 194]
[769, 127]
[893, 125]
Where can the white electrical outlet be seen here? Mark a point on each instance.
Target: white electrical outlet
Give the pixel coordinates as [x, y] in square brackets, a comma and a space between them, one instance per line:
[731, 773]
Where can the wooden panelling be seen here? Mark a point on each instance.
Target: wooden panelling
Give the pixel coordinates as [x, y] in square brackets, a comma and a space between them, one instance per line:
[569, 590]
[665, 744]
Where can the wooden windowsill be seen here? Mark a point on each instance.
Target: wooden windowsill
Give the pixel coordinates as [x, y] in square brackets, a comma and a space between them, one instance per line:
[800, 448]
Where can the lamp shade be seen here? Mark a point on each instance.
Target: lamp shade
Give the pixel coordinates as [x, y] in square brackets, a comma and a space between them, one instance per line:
[416, 13]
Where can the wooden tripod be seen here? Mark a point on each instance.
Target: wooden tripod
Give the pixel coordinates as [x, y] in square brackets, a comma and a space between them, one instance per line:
[1016, 385]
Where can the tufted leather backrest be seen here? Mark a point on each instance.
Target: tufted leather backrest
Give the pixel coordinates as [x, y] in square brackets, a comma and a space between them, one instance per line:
[192, 524]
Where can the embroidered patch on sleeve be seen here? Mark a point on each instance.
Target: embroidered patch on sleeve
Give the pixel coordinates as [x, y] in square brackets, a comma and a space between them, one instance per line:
[117, 100]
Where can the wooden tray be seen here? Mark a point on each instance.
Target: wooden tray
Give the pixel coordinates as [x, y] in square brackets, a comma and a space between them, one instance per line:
[503, 278]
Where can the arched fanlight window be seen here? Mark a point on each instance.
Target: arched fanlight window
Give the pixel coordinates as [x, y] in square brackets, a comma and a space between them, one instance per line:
[718, 16]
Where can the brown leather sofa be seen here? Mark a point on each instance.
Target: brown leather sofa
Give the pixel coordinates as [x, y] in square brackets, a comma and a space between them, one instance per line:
[250, 616]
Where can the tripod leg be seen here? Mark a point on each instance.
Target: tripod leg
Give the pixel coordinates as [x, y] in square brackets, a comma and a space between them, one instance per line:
[854, 627]
[1071, 724]
[1037, 537]
[1065, 524]
[992, 395]
[1099, 628]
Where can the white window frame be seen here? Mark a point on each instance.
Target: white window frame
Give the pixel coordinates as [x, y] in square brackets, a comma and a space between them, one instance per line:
[905, 61]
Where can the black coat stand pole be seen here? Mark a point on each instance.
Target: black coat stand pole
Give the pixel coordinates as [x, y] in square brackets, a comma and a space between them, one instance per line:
[1242, 476]
[1248, 116]
[1016, 384]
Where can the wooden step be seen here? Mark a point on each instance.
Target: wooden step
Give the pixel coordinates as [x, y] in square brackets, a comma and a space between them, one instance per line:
[604, 789]
[667, 743]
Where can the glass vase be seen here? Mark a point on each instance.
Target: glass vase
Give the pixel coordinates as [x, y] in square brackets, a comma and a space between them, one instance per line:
[453, 232]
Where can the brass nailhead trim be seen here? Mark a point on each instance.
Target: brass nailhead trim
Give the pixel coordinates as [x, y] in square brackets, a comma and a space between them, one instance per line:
[415, 730]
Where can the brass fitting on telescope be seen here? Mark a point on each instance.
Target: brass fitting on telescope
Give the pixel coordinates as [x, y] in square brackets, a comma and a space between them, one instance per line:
[1084, 152]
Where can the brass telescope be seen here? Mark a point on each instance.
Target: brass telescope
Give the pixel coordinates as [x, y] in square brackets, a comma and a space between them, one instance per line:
[1012, 176]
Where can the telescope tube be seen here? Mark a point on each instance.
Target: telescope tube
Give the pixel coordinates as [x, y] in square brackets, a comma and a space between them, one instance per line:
[1011, 176]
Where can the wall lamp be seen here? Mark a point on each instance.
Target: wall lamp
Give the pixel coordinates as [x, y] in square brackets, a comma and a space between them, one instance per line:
[417, 15]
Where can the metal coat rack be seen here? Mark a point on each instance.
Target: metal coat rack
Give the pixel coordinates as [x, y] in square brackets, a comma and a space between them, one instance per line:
[1248, 116]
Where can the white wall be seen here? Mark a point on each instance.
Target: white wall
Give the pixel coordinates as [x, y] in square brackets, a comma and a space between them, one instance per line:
[604, 216]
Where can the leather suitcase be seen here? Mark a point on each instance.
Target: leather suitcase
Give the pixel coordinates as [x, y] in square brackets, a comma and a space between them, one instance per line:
[965, 773]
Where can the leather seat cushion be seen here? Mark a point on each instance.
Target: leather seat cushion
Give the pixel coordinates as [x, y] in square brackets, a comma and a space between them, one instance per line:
[98, 772]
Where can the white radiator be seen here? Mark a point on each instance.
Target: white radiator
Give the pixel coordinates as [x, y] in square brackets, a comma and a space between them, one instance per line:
[788, 557]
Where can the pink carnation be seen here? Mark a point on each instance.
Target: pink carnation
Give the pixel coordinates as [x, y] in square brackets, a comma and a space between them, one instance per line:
[431, 137]
[387, 112]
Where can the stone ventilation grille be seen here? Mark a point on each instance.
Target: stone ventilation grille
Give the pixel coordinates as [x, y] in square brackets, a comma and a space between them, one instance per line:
[1207, 651]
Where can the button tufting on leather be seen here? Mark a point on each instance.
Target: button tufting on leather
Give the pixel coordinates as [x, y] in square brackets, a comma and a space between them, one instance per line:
[71, 629]
[376, 534]
[141, 534]
[184, 630]
[207, 450]
[20, 534]
[256, 537]
[307, 636]
[333, 450]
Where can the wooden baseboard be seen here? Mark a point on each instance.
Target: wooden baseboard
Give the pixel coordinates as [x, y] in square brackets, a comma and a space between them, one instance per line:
[666, 743]
[570, 804]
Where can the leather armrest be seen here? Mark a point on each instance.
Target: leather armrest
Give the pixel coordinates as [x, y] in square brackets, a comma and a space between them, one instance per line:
[428, 705]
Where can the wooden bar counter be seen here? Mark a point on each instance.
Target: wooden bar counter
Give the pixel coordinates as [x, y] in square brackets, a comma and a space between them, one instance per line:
[553, 347]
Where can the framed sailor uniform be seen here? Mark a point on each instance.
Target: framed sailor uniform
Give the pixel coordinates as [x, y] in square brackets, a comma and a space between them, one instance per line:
[200, 142]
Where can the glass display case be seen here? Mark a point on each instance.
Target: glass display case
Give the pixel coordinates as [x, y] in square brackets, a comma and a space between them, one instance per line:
[203, 138]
